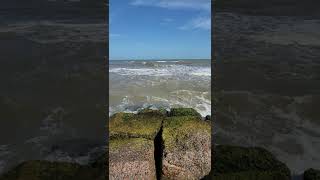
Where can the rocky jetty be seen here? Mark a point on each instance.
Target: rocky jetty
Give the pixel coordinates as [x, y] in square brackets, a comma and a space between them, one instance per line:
[234, 162]
[39, 170]
[131, 146]
[132, 158]
[159, 145]
[146, 124]
[135, 155]
[187, 145]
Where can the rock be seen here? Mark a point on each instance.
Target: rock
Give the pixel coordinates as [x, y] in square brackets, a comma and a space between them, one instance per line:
[101, 165]
[149, 145]
[145, 124]
[208, 118]
[233, 162]
[184, 112]
[39, 170]
[252, 175]
[131, 158]
[131, 148]
[187, 146]
[156, 144]
[311, 174]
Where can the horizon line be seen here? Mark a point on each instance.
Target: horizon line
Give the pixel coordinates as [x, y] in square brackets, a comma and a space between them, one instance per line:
[160, 59]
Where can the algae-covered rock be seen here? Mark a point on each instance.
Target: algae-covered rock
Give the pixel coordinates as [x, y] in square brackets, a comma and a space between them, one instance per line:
[233, 162]
[45, 170]
[311, 174]
[131, 158]
[184, 112]
[187, 147]
[101, 165]
[178, 143]
[145, 124]
[252, 175]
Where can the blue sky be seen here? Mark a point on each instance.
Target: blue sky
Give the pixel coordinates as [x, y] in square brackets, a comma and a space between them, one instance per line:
[160, 29]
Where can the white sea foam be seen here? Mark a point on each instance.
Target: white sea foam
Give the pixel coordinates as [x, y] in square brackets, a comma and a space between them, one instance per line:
[160, 84]
[168, 70]
[140, 72]
[202, 72]
[199, 103]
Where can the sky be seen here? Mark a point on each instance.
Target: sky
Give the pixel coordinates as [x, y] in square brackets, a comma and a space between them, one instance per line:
[159, 29]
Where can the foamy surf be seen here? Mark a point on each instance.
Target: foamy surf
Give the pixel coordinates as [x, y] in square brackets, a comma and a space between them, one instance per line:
[136, 85]
[162, 70]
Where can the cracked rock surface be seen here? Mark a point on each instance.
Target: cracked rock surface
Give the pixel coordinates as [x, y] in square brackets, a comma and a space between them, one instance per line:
[159, 145]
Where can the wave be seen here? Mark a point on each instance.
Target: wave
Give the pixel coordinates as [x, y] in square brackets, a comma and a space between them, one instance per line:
[160, 84]
[181, 98]
[167, 70]
[140, 72]
[202, 72]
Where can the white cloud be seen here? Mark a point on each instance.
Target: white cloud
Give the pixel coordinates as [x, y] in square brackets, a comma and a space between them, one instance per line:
[198, 23]
[199, 5]
[175, 4]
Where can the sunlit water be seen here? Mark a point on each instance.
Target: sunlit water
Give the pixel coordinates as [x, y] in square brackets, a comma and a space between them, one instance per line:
[134, 85]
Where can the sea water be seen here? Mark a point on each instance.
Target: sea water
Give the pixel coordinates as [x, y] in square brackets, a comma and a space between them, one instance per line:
[139, 84]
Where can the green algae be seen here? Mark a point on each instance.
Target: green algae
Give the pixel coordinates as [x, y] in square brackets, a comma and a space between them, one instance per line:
[145, 124]
[129, 143]
[178, 125]
[180, 128]
[233, 162]
[128, 131]
[39, 170]
[311, 174]
[252, 175]
[150, 112]
[184, 112]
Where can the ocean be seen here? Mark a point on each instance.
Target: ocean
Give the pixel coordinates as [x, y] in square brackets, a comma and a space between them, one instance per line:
[139, 84]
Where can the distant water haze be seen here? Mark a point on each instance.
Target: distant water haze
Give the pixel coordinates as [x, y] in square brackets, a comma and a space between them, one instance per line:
[138, 84]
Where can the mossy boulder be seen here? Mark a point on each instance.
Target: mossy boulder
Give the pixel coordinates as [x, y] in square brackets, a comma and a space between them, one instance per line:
[145, 124]
[180, 128]
[187, 146]
[180, 139]
[131, 158]
[179, 144]
[40, 170]
[233, 162]
[311, 174]
[184, 112]
[101, 164]
[252, 175]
